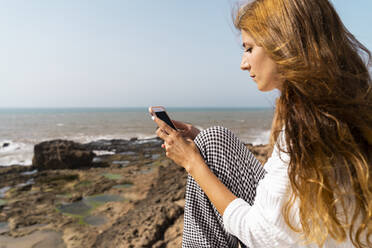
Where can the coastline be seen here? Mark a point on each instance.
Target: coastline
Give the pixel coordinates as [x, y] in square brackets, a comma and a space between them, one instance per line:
[22, 129]
[131, 197]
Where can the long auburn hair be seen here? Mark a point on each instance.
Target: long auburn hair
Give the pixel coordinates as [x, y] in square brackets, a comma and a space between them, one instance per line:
[326, 108]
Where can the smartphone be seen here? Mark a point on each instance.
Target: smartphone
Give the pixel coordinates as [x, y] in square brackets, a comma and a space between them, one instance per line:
[160, 113]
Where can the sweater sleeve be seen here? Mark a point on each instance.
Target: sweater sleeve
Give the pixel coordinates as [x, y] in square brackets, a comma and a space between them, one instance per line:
[262, 224]
[244, 221]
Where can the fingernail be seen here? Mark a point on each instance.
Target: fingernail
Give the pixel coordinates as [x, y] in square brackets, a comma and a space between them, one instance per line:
[153, 117]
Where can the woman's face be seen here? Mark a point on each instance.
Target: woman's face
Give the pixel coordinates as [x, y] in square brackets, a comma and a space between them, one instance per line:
[261, 67]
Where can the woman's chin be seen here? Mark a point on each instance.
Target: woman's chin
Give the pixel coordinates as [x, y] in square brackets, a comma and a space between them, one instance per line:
[261, 87]
[265, 87]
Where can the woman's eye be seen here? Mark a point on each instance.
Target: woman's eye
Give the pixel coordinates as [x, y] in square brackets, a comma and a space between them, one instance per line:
[248, 50]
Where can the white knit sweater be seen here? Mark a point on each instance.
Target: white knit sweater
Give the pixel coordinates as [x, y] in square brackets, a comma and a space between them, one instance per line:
[262, 224]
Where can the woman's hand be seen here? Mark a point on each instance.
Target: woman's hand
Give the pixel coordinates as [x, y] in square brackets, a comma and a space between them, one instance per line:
[182, 150]
[187, 130]
[185, 153]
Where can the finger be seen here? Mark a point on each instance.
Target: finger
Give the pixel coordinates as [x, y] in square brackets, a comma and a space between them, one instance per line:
[163, 125]
[166, 145]
[161, 134]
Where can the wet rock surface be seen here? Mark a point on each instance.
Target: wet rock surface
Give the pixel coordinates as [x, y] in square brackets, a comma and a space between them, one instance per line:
[146, 224]
[131, 195]
[61, 154]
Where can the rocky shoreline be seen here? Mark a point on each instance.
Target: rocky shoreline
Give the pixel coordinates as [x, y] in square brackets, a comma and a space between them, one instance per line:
[80, 195]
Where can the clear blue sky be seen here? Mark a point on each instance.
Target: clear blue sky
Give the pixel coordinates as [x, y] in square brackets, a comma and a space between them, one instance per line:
[122, 53]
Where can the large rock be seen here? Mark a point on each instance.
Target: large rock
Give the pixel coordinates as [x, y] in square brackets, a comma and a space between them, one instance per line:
[61, 154]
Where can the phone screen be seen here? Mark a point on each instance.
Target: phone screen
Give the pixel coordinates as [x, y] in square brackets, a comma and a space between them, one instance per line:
[162, 115]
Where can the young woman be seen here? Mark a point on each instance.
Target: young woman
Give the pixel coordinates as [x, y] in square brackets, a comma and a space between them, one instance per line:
[315, 189]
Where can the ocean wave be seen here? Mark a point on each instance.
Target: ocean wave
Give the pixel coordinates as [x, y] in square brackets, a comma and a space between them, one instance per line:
[20, 153]
[262, 138]
[8, 146]
[90, 138]
[15, 153]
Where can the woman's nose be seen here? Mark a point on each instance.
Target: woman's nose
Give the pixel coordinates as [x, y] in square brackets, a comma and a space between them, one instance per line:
[244, 65]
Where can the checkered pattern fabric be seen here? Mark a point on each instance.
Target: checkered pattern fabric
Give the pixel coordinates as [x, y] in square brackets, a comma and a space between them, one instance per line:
[237, 168]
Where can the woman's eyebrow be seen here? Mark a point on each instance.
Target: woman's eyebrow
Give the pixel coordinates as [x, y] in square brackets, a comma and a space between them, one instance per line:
[245, 44]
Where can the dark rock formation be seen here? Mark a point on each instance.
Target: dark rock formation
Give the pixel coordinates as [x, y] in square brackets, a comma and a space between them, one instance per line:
[61, 154]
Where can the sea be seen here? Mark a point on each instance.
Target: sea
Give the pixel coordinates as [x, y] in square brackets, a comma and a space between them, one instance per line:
[22, 128]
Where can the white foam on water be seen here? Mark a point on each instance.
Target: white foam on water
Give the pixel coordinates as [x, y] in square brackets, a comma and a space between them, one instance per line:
[85, 126]
[262, 138]
[81, 138]
[8, 146]
[20, 153]
[16, 153]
